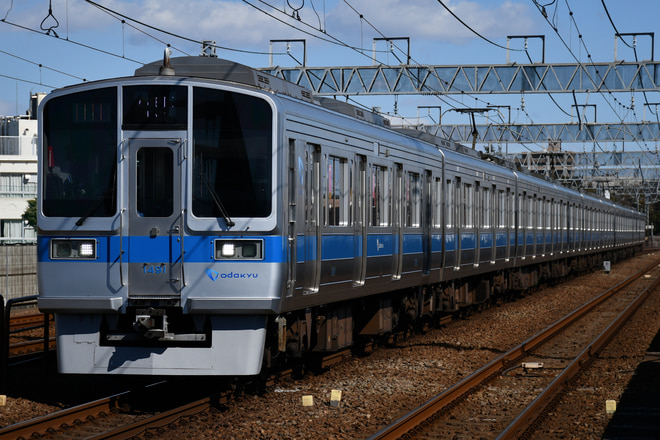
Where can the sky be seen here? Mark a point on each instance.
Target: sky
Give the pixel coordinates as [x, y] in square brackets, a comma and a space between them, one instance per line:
[48, 44]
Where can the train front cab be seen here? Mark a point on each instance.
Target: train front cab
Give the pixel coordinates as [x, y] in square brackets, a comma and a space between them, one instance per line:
[158, 245]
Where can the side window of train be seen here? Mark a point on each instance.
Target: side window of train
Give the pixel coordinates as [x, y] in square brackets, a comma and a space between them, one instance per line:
[459, 203]
[501, 209]
[232, 160]
[413, 200]
[313, 184]
[486, 207]
[511, 208]
[336, 198]
[380, 196]
[306, 187]
[468, 205]
[437, 203]
[520, 208]
[478, 205]
[450, 203]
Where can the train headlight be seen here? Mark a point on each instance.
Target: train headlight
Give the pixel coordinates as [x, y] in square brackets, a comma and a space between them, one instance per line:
[86, 250]
[73, 249]
[239, 249]
[228, 250]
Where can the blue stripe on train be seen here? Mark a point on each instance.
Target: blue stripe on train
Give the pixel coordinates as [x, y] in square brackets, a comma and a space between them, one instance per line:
[199, 249]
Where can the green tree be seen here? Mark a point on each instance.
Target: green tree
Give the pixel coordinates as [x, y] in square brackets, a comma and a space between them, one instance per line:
[30, 214]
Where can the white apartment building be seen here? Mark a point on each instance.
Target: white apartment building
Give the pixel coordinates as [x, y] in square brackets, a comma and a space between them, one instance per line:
[18, 172]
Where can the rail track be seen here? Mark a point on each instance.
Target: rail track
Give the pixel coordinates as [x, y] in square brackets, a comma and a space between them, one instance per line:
[527, 379]
[116, 417]
[122, 419]
[26, 334]
[97, 419]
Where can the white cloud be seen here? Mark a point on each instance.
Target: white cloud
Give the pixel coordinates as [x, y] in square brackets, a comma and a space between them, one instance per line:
[229, 23]
[428, 20]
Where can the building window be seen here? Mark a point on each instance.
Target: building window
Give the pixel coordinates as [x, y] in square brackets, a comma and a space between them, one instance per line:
[18, 185]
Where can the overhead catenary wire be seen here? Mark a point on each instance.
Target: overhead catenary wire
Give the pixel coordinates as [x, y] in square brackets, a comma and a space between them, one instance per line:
[362, 18]
[626, 43]
[171, 34]
[606, 91]
[41, 66]
[471, 29]
[74, 42]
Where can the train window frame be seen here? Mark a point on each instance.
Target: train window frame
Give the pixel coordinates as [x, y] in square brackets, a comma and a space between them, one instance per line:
[413, 199]
[486, 205]
[450, 192]
[78, 188]
[522, 210]
[233, 143]
[380, 181]
[511, 208]
[165, 106]
[478, 205]
[437, 203]
[336, 188]
[501, 209]
[154, 191]
[468, 206]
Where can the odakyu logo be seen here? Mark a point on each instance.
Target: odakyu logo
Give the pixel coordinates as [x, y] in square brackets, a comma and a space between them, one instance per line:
[232, 275]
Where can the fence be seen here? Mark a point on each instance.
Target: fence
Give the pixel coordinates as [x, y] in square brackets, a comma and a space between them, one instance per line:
[18, 270]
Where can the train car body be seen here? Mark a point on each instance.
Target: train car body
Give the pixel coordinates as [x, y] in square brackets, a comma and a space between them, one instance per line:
[202, 218]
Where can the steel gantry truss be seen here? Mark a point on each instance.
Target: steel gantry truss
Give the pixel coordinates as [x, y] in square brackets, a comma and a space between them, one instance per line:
[616, 76]
[632, 173]
[543, 133]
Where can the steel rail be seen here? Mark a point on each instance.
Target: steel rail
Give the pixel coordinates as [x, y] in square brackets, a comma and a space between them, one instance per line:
[28, 347]
[76, 415]
[409, 422]
[158, 421]
[69, 416]
[161, 420]
[533, 412]
[19, 322]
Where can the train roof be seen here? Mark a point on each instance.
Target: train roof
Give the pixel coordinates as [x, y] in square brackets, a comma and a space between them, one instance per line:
[230, 71]
[223, 70]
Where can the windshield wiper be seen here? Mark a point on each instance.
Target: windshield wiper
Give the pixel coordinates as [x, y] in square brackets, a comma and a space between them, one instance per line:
[217, 201]
[108, 193]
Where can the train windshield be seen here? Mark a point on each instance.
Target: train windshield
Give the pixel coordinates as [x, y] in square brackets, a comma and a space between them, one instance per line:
[80, 155]
[232, 165]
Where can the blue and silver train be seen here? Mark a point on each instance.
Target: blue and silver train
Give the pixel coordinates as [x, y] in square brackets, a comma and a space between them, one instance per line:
[205, 218]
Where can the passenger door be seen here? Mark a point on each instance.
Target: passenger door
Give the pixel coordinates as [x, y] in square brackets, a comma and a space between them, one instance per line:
[360, 223]
[155, 223]
[313, 219]
[397, 222]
